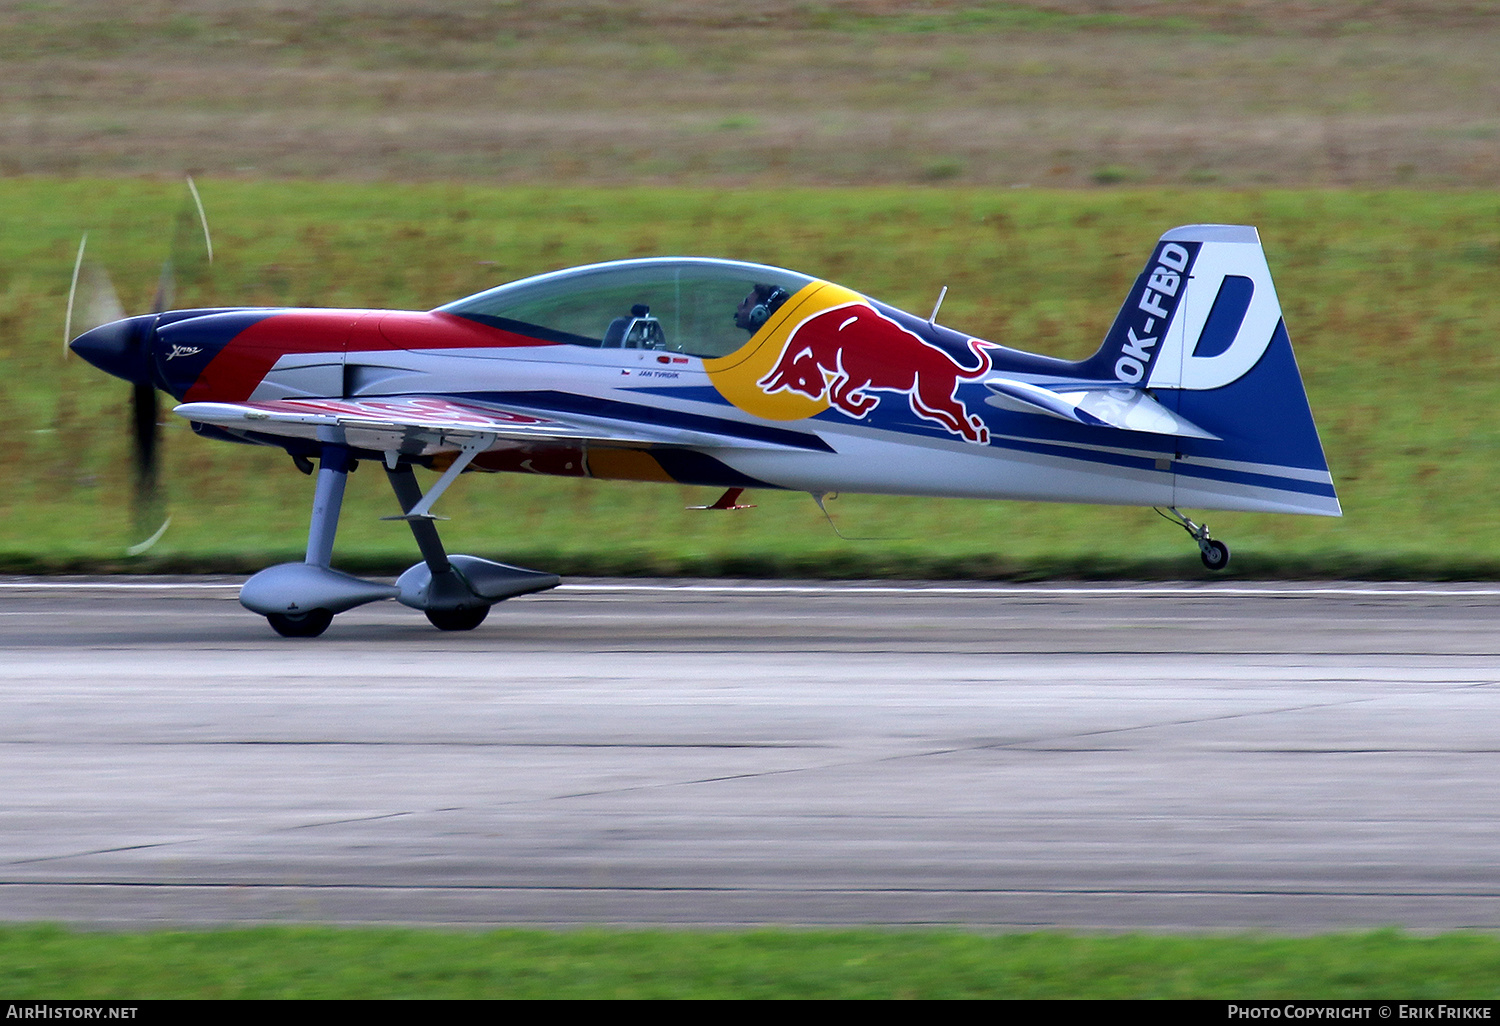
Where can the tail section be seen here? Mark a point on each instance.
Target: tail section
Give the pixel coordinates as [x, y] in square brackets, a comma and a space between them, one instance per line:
[1202, 330]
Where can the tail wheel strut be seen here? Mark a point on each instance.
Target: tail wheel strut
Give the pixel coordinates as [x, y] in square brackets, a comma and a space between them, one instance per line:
[1215, 554]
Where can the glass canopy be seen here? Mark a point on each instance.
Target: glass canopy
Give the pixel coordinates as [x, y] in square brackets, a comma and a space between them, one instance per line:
[675, 304]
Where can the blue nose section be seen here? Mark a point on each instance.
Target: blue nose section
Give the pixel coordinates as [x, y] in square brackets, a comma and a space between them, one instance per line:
[119, 348]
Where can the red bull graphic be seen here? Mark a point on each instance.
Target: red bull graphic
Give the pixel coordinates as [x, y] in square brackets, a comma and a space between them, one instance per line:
[846, 352]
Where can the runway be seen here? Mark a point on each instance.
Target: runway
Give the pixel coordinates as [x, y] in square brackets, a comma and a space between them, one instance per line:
[1153, 757]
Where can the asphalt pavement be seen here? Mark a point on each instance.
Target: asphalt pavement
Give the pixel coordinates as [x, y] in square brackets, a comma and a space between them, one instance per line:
[1153, 757]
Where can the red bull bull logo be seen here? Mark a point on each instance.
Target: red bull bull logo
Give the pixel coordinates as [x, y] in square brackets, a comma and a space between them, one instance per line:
[843, 354]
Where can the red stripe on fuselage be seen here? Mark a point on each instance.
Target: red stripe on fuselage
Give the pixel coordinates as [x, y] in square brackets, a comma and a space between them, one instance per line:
[401, 329]
[242, 365]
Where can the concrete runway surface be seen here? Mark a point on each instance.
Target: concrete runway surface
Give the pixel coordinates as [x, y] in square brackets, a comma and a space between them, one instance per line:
[1155, 757]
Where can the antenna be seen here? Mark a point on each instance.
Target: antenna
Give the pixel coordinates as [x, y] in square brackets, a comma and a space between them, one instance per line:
[937, 306]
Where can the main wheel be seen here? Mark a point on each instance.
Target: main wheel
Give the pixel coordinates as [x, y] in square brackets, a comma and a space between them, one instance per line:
[1215, 555]
[464, 619]
[300, 625]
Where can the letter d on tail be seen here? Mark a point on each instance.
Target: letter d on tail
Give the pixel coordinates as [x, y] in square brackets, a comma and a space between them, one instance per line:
[1227, 314]
[1200, 315]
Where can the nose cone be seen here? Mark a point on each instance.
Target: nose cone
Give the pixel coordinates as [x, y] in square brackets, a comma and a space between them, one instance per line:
[119, 348]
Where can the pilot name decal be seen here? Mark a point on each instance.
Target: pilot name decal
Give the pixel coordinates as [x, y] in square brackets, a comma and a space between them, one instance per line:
[1160, 289]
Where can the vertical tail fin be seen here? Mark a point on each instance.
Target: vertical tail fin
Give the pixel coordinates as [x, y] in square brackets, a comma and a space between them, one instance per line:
[1202, 330]
[1207, 282]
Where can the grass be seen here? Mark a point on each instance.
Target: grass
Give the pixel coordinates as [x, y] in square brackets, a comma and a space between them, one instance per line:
[1390, 296]
[38, 962]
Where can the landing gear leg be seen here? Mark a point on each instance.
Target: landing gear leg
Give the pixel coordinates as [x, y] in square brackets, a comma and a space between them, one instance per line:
[455, 592]
[1215, 554]
[451, 603]
[300, 600]
[328, 502]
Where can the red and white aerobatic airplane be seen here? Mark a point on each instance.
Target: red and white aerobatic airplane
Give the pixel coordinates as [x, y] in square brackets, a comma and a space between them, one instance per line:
[736, 375]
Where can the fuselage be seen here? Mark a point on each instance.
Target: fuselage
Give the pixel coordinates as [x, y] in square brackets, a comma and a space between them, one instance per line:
[817, 388]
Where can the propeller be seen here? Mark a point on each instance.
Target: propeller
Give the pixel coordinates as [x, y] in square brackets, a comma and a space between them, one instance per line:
[121, 345]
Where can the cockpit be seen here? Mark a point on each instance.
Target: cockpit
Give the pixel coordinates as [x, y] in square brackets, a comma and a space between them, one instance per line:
[690, 305]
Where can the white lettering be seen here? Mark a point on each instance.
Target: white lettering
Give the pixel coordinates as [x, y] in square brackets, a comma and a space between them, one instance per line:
[1174, 256]
[1129, 369]
[1150, 303]
[1165, 281]
[1137, 347]
[1323, 1012]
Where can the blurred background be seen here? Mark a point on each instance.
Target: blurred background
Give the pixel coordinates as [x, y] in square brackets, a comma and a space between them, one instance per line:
[1070, 93]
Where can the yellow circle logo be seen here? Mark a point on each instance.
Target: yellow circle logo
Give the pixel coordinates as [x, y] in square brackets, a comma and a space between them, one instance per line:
[745, 376]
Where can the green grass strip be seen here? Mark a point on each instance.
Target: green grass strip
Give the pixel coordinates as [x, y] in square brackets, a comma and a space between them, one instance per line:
[38, 962]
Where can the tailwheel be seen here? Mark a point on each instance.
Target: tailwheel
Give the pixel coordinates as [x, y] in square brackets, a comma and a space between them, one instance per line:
[300, 625]
[465, 618]
[1215, 555]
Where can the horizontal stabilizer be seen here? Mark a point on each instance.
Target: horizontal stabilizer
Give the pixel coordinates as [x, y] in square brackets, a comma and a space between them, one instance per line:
[1112, 406]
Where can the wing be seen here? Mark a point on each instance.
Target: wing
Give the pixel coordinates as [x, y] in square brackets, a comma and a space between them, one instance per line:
[1098, 405]
[424, 425]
